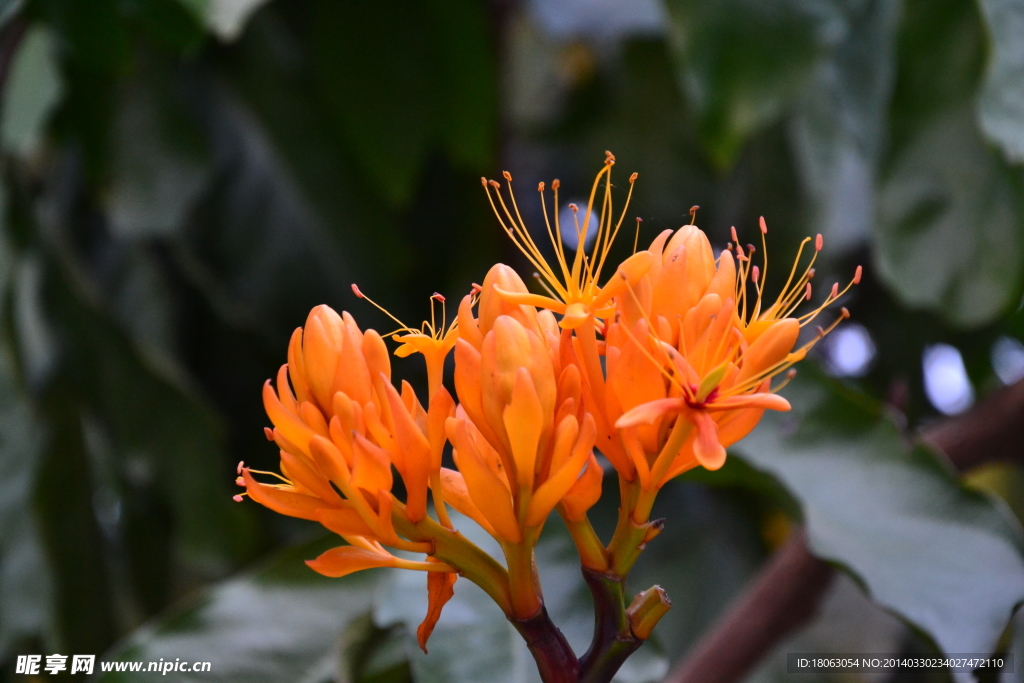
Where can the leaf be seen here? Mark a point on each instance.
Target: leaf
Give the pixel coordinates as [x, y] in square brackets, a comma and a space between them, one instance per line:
[742, 63]
[946, 559]
[839, 123]
[225, 18]
[279, 622]
[33, 88]
[1001, 102]
[949, 232]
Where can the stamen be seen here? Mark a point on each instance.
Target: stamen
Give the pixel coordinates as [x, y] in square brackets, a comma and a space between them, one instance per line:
[756, 275]
[808, 295]
[241, 464]
[636, 237]
[693, 214]
[818, 242]
[857, 274]
[237, 498]
[764, 227]
[240, 481]
[734, 237]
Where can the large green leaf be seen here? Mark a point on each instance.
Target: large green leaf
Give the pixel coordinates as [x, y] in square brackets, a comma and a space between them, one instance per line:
[946, 559]
[839, 125]
[280, 622]
[950, 231]
[742, 63]
[1001, 104]
[32, 88]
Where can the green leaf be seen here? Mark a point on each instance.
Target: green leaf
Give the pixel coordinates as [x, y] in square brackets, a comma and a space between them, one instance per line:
[280, 622]
[839, 124]
[742, 63]
[33, 87]
[225, 18]
[946, 559]
[1001, 103]
[950, 231]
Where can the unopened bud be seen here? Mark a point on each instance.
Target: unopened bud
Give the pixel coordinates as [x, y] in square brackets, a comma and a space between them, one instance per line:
[646, 611]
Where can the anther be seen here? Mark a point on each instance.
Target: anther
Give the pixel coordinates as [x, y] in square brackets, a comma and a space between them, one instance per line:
[632, 178]
[507, 175]
[639, 220]
[808, 295]
[693, 214]
[494, 183]
[609, 158]
[810, 274]
[734, 237]
[791, 373]
[267, 432]
[844, 312]
[237, 499]
[574, 208]
[355, 290]
[751, 249]
[483, 182]
[240, 481]
[818, 242]
[437, 297]
[764, 227]
[555, 184]
[739, 253]
[540, 186]
[475, 288]
[857, 274]
[756, 274]
[241, 464]
[835, 291]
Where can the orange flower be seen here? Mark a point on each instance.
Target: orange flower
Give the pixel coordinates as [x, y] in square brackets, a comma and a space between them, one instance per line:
[691, 364]
[521, 437]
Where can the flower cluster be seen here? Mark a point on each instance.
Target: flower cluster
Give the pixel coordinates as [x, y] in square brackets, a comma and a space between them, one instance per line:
[658, 369]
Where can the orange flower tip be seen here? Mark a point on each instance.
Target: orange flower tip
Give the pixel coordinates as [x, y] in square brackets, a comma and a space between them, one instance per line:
[756, 274]
[241, 464]
[507, 176]
[494, 184]
[555, 184]
[574, 208]
[237, 498]
[540, 186]
[857, 274]
[764, 226]
[355, 290]
[819, 242]
[808, 295]
[735, 238]
[269, 433]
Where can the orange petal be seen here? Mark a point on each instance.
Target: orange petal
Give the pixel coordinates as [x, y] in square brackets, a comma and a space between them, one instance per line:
[440, 589]
[371, 467]
[290, 425]
[559, 483]
[310, 479]
[626, 276]
[457, 495]
[415, 454]
[707, 448]
[442, 406]
[468, 327]
[760, 400]
[487, 491]
[574, 316]
[344, 560]
[285, 502]
[585, 493]
[647, 413]
[524, 422]
[297, 366]
[344, 522]
[769, 349]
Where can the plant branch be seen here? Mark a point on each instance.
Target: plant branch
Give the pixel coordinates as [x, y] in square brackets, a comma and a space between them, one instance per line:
[785, 595]
[555, 659]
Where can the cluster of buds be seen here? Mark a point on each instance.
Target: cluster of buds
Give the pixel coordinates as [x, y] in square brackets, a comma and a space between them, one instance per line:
[659, 369]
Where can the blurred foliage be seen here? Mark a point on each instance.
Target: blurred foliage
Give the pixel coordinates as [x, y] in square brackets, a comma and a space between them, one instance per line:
[184, 179]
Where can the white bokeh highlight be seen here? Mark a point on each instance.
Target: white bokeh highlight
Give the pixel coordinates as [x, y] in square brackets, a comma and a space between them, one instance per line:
[1008, 359]
[567, 223]
[849, 351]
[945, 379]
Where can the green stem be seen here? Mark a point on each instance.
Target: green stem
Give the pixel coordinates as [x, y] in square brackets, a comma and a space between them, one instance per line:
[613, 640]
[555, 659]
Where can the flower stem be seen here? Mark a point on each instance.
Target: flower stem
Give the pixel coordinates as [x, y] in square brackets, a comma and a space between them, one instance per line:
[555, 659]
[592, 552]
[613, 639]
